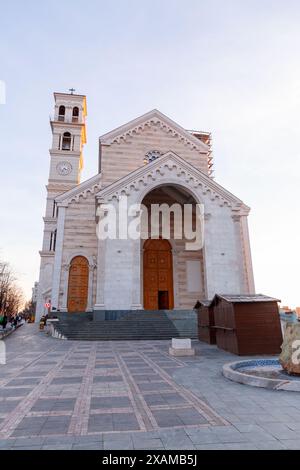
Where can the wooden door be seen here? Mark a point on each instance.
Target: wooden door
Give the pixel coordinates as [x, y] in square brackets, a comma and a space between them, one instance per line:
[78, 284]
[158, 275]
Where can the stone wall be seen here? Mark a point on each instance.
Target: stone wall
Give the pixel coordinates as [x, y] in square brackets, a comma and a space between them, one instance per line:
[119, 159]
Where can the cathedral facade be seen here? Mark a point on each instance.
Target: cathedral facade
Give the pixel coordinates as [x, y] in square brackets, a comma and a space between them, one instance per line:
[147, 162]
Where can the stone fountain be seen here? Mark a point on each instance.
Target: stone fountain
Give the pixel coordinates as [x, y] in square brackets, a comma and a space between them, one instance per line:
[281, 373]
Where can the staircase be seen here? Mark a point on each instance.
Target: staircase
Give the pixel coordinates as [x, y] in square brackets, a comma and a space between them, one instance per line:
[128, 325]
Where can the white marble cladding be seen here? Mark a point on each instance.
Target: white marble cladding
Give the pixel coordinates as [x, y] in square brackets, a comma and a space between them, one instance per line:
[226, 269]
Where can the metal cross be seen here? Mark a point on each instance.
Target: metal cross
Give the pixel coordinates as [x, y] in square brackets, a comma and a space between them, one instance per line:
[72, 90]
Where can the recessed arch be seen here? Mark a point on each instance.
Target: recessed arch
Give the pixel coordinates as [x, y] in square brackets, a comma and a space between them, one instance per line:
[61, 113]
[75, 114]
[66, 141]
[168, 182]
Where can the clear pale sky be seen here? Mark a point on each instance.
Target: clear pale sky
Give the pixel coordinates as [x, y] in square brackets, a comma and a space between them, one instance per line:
[229, 67]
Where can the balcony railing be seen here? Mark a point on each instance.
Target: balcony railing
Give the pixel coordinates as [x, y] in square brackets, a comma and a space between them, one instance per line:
[67, 120]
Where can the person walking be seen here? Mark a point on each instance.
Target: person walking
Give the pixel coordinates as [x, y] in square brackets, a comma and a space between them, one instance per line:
[4, 321]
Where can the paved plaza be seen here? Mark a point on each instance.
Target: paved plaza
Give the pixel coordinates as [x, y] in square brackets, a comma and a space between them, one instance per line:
[132, 395]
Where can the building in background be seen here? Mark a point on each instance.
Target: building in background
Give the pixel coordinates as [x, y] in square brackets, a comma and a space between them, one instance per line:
[35, 292]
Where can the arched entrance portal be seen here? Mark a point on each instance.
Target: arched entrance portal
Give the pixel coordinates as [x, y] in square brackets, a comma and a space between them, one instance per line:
[78, 284]
[158, 275]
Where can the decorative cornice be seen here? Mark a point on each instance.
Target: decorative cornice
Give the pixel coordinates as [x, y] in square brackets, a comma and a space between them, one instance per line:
[46, 254]
[183, 173]
[91, 186]
[50, 220]
[156, 118]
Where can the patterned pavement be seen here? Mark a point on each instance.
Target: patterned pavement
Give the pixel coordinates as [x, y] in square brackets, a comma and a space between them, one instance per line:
[132, 395]
[93, 388]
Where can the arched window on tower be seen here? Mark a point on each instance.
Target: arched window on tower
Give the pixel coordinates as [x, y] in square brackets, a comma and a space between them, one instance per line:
[66, 141]
[75, 114]
[61, 113]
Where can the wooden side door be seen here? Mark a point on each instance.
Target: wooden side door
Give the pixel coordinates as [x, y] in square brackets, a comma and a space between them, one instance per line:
[78, 284]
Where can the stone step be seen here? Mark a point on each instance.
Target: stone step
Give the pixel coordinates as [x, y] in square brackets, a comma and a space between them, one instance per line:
[128, 324]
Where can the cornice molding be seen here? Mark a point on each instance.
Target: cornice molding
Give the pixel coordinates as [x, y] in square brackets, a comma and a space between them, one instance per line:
[151, 175]
[157, 118]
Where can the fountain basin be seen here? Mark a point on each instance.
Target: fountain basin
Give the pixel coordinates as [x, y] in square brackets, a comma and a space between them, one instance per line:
[265, 373]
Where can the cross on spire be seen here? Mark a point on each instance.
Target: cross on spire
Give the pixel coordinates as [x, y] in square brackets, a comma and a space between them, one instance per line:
[72, 90]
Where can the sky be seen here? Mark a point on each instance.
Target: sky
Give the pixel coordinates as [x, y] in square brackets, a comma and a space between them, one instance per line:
[229, 67]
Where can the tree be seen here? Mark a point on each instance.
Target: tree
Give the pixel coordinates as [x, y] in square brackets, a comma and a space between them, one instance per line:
[11, 295]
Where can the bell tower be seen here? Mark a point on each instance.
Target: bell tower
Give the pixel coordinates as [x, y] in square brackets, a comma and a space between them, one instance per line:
[68, 139]
[69, 136]
[66, 163]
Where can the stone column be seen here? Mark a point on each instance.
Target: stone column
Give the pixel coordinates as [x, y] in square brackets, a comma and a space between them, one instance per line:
[240, 253]
[210, 289]
[136, 275]
[101, 259]
[92, 268]
[65, 282]
[58, 255]
[247, 254]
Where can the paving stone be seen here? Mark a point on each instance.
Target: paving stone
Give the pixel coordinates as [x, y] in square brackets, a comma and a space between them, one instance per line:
[211, 447]
[121, 442]
[270, 445]
[66, 380]
[59, 440]
[56, 425]
[110, 402]
[100, 423]
[164, 399]
[291, 444]
[294, 426]
[89, 439]
[241, 446]
[92, 446]
[280, 431]
[57, 447]
[107, 378]
[24, 381]
[202, 436]
[228, 434]
[125, 422]
[176, 438]
[25, 442]
[14, 392]
[49, 404]
[32, 374]
[8, 406]
[150, 387]
[6, 443]
[190, 416]
[166, 418]
[141, 442]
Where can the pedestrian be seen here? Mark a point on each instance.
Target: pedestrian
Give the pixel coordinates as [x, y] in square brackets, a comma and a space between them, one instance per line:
[4, 321]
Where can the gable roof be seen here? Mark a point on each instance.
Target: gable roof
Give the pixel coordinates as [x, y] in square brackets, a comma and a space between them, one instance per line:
[153, 117]
[208, 184]
[238, 299]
